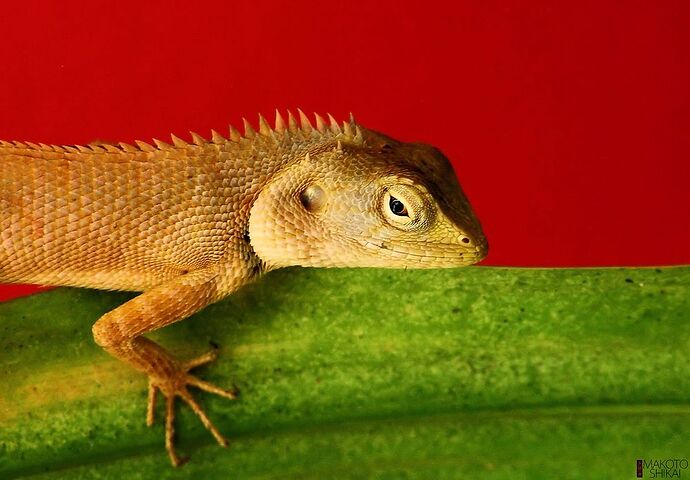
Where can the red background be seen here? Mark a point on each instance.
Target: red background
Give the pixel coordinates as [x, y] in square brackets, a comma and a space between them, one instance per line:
[568, 122]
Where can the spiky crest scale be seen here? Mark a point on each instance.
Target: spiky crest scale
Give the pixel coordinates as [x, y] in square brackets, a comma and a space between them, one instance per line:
[145, 147]
[335, 128]
[197, 139]
[126, 147]
[349, 131]
[234, 134]
[292, 123]
[320, 123]
[162, 145]
[178, 142]
[248, 130]
[304, 120]
[111, 148]
[280, 123]
[264, 129]
[216, 137]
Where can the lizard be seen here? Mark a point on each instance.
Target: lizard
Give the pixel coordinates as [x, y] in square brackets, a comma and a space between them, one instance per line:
[188, 224]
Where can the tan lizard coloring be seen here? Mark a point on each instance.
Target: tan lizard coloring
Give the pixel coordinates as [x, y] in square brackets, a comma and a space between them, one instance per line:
[188, 224]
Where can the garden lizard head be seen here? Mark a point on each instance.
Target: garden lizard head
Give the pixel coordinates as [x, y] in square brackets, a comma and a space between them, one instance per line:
[366, 200]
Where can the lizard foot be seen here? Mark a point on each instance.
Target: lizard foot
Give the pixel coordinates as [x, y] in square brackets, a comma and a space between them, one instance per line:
[175, 385]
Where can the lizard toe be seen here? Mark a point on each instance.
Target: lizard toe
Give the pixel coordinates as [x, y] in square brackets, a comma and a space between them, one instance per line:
[174, 384]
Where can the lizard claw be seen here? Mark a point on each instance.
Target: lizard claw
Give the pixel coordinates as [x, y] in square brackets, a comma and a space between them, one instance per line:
[175, 385]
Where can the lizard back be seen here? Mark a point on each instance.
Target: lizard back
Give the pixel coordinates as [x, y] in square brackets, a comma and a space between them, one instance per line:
[129, 220]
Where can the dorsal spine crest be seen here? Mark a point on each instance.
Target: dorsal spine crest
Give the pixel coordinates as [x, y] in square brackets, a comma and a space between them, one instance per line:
[302, 128]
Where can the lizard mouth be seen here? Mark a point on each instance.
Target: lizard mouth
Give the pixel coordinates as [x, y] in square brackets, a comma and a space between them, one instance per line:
[442, 255]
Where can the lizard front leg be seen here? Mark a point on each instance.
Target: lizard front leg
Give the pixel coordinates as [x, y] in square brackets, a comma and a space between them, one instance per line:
[119, 332]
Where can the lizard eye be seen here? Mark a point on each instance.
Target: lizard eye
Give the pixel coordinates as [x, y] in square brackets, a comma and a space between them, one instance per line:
[397, 207]
[406, 206]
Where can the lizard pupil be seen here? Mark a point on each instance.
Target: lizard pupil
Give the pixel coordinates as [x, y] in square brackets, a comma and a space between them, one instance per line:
[397, 207]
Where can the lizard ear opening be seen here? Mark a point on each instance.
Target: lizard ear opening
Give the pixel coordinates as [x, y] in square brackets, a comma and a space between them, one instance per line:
[313, 198]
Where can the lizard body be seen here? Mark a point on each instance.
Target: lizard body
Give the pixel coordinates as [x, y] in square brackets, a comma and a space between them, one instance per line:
[190, 223]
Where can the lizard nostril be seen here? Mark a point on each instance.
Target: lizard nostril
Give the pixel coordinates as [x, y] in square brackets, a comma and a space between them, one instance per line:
[465, 240]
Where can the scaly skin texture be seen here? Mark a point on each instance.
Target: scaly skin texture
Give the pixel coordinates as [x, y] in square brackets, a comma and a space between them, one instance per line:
[188, 224]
